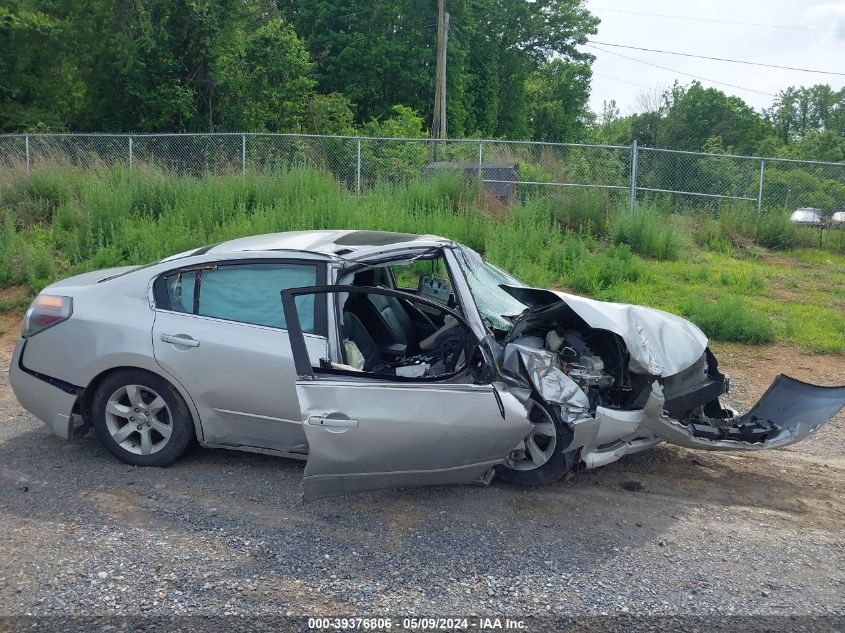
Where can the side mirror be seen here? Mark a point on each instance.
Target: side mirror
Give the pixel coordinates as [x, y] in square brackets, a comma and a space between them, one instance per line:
[434, 288]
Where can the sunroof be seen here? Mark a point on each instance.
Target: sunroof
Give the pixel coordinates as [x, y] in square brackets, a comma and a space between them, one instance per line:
[374, 238]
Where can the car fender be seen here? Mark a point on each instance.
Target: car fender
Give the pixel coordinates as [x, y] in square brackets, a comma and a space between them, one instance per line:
[125, 360]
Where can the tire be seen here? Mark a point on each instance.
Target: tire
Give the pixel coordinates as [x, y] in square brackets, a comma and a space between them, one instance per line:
[557, 463]
[141, 419]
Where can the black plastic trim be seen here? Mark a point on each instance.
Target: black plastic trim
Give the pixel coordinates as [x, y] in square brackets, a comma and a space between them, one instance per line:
[50, 380]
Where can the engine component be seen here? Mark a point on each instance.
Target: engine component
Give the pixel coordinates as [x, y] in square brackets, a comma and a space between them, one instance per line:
[579, 362]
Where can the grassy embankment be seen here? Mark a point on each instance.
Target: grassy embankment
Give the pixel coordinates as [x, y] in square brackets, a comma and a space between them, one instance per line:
[737, 278]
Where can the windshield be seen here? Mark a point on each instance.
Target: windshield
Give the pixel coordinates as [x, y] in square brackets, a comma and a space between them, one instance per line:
[485, 279]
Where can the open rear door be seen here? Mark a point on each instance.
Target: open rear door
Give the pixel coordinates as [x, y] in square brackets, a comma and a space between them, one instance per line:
[366, 431]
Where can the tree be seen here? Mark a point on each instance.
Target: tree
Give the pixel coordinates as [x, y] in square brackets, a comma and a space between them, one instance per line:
[381, 53]
[558, 95]
[39, 86]
[701, 113]
[266, 85]
[148, 64]
[798, 111]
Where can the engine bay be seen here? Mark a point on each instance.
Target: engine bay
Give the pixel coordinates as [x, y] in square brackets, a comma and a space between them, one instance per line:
[598, 363]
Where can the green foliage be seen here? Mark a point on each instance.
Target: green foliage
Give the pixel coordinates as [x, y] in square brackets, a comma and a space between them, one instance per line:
[775, 231]
[786, 187]
[805, 123]
[601, 271]
[649, 233]
[583, 211]
[395, 161]
[558, 93]
[730, 320]
[38, 83]
[266, 85]
[61, 221]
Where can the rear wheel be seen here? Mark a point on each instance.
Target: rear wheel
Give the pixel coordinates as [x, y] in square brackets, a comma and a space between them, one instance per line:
[141, 419]
[542, 460]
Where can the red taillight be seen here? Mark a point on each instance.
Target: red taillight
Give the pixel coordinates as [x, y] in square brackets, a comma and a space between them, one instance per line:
[46, 311]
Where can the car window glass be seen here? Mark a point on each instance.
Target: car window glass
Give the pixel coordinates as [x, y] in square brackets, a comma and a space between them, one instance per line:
[410, 275]
[248, 293]
[180, 291]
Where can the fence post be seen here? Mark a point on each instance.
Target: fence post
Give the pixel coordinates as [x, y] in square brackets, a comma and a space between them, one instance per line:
[480, 156]
[26, 140]
[760, 188]
[243, 153]
[358, 169]
[633, 196]
[130, 152]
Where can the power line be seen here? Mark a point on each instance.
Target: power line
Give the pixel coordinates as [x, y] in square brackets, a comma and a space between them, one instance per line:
[719, 59]
[680, 72]
[699, 19]
[624, 81]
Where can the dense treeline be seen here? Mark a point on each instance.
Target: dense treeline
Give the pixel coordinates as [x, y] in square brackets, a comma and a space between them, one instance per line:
[345, 66]
[806, 123]
[292, 65]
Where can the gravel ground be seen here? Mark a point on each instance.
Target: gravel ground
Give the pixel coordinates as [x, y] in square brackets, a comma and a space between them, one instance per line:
[665, 532]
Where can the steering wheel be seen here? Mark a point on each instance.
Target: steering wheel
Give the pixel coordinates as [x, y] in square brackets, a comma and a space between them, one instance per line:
[450, 345]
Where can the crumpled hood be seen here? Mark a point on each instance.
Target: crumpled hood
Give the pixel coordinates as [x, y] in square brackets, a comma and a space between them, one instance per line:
[660, 343]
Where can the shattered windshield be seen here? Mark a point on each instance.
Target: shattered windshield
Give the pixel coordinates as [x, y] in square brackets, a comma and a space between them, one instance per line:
[495, 305]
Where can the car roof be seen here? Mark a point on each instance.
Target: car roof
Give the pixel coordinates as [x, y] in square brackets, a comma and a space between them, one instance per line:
[337, 243]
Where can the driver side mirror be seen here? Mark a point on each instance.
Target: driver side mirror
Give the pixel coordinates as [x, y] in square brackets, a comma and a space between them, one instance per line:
[431, 287]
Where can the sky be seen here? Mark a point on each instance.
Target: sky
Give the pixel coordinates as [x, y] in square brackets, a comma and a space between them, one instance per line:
[819, 44]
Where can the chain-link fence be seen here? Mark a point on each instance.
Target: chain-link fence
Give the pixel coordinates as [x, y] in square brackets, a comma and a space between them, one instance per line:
[506, 169]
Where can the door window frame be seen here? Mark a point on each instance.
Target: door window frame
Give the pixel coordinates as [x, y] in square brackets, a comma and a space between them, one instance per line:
[162, 300]
[301, 360]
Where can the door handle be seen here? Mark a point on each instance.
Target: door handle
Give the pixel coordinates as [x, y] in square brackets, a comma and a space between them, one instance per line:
[332, 422]
[183, 339]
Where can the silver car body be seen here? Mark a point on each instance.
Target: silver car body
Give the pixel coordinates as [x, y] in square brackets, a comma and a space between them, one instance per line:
[260, 388]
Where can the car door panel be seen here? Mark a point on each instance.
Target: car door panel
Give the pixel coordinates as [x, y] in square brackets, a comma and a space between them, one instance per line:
[365, 435]
[240, 376]
[368, 431]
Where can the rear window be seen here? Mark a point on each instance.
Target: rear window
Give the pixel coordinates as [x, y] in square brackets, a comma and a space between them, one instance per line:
[246, 293]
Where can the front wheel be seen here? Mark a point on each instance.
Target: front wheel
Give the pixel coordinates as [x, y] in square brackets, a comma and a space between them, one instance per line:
[141, 419]
[542, 461]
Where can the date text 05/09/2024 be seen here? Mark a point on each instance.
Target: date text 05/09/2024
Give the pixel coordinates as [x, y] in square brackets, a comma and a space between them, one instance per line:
[416, 624]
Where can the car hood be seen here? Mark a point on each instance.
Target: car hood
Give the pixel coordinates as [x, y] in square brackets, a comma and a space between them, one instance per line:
[660, 343]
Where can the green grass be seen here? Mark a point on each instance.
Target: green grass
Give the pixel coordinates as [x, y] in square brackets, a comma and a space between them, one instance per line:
[717, 271]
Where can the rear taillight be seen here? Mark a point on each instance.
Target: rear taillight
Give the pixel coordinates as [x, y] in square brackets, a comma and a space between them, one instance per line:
[46, 311]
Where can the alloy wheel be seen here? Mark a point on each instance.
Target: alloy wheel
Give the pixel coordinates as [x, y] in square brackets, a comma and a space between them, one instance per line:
[138, 419]
[540, 443]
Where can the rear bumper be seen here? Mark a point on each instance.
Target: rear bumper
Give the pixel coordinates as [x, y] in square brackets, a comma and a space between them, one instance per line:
[51, 403]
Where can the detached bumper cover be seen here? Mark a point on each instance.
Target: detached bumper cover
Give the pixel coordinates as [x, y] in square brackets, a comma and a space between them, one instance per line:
[48, 402]
[788, 412]
[795, 408]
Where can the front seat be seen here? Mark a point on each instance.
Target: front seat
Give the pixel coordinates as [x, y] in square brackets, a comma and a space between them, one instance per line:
[386, 317]
[354, 331]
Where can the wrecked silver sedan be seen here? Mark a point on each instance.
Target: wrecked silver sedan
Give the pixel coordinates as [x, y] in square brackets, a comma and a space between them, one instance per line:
[383, 359]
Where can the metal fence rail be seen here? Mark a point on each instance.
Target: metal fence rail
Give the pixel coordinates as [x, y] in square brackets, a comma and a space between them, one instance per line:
[678, 178]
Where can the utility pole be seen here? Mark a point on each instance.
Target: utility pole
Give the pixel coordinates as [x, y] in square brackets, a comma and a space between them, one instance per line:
[438, 123]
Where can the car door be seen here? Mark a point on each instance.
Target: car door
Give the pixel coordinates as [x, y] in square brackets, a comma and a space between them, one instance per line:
[366, 431]
[220, 331]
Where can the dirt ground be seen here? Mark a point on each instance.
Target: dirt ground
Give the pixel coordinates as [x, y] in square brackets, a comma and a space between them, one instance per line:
[665, 531]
